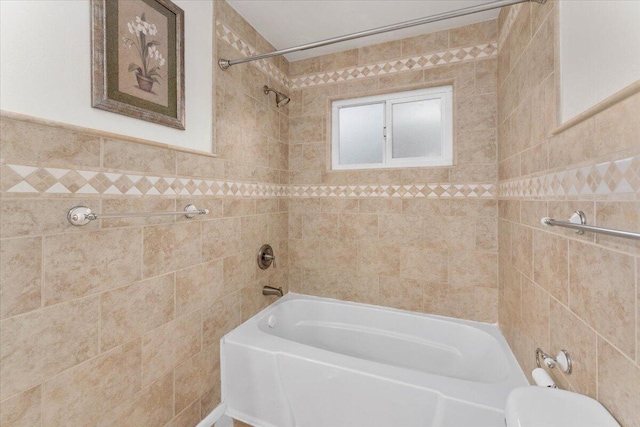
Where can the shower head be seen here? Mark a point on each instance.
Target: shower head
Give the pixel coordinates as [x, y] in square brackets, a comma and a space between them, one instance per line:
[281, 98]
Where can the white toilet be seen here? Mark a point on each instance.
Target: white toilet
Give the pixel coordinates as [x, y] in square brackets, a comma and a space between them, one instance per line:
[550, 407]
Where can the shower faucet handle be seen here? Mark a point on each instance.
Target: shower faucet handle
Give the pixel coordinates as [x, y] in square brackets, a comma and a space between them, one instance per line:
[266, 257]
[269, 257]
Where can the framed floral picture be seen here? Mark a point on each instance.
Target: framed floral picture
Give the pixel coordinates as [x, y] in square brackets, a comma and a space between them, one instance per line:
[138, 59]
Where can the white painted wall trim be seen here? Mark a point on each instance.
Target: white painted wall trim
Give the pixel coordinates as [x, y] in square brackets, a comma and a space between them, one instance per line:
[213, 416]
[598, 52]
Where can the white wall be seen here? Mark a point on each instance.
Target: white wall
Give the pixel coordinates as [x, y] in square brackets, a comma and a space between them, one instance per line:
[599, 51]
[45, 69]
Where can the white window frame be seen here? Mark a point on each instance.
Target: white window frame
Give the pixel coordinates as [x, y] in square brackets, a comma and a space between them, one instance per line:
[443, 93]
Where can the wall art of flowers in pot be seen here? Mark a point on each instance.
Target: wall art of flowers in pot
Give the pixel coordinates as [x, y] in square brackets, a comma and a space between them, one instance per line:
[138, 59]
[151, 60]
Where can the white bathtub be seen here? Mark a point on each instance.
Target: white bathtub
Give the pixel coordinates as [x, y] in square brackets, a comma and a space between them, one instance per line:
[316, 362]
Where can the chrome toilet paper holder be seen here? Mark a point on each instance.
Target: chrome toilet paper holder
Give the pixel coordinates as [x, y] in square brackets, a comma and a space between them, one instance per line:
[562, 360]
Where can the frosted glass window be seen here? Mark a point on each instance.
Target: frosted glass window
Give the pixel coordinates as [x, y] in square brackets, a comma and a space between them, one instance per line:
[395, 130]
[416, 129]
[361, 134]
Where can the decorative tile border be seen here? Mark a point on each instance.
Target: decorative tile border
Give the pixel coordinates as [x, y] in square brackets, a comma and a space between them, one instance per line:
[245, 49]
[612, 178]
[405, 191]
[420, 62]
[44, 180]
[22, 179]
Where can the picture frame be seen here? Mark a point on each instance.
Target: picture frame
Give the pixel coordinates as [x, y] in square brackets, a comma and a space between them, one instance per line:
[138, 60]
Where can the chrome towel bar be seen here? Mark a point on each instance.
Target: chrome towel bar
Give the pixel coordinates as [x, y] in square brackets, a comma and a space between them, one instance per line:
[82, 215]
[578, 222]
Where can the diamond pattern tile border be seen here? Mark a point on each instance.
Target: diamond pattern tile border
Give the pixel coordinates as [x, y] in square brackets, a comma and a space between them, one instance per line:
[396, 66]
[43, 180]
[378, 69]
[22, 179]
[245, 49]
[403, 191]
[613, 178]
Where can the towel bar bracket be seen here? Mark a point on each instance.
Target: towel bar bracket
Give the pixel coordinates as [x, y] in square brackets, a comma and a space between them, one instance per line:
[578, 222]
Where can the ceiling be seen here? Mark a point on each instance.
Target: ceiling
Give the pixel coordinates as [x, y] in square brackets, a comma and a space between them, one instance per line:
[286, 23]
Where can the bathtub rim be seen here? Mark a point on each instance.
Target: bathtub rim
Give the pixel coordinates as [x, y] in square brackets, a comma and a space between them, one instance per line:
[273, 344]
[293, 296]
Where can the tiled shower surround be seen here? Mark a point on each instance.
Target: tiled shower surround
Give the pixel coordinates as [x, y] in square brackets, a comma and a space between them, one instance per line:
[117, 323]
[560, 290]
[421, 239]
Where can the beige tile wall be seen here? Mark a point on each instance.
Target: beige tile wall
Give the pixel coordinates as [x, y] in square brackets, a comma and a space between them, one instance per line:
[559, 290]
[117, 323]
[432, 255]
[125, 315]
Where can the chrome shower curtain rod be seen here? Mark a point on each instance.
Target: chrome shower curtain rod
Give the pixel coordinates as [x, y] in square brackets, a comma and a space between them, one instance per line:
[226, 63]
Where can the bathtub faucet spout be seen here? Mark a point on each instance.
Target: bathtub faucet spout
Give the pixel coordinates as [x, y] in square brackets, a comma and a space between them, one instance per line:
[270, 290]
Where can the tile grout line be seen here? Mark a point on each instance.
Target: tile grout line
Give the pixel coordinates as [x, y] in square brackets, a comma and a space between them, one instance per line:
[99, 298]
[43, 382]
[637, 267]
[597, 366]
[567, 305]
[42, 271]
[508, 24]
[532, 37]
